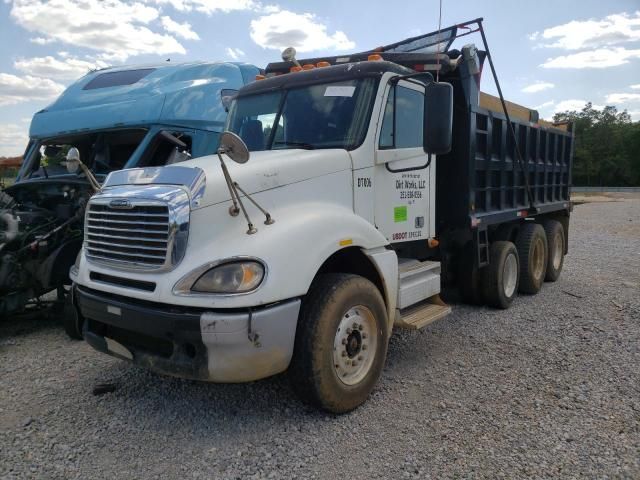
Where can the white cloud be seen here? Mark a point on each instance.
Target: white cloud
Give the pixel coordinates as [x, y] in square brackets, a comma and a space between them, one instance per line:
[302, 31]
[545, 105]
[69, 68]
[210, 6]
[234, 53]
[618, 98]
[636, 87]
[14, 89]
[635, 115]
[115, 27]
[538, 87]
[570, 105]
[579, 34]
[182, 30]
[600, 58]
[41, 40]
[13, 139]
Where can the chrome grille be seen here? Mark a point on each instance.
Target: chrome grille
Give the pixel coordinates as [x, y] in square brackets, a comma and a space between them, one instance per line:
[138, 235]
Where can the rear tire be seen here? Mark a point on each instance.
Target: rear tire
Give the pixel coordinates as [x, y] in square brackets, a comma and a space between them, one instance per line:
[556, 242]
[469, 279]
[341, 342]
[500, 278]
[532, 252]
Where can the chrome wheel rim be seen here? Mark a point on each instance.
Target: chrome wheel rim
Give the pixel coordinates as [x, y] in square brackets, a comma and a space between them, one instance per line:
[355, 345]
[558, 250]
[510, 275]
[537, 263]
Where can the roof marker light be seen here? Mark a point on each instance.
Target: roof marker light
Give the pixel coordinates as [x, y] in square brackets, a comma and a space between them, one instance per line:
[260, 77]
[308, 66]
[374, 57]
[323, 64]
[295, 69]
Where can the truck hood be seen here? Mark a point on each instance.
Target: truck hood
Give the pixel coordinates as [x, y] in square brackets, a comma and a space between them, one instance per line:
[267, 170]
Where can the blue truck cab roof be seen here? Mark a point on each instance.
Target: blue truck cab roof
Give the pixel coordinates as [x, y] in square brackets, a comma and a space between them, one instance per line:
[186, 95]
[116, 116]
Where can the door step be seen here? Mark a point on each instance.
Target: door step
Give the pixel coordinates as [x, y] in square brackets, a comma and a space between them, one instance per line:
[421, 315]
[417, 281]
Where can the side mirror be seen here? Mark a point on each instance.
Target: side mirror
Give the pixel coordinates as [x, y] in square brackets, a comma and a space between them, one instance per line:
[233, 146]
[438, 118]
[73, 160]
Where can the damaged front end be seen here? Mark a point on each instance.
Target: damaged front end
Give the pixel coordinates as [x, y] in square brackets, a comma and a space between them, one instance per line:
[40, 236]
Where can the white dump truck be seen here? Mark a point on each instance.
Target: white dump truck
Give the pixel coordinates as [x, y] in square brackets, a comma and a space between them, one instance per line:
[345, 195]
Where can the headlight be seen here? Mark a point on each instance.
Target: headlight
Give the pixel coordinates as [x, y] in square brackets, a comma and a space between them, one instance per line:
[232, 277]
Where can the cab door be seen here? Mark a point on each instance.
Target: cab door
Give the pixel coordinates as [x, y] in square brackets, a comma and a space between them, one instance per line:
[404, 173]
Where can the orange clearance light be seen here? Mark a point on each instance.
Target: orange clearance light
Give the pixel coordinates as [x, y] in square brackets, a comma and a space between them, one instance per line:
[374, 57]
[295, 69]
[433, 242]
[260, 77]
[323, 64]
[308, 66]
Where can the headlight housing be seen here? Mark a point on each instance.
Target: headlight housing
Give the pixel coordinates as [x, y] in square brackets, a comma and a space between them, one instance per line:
[239, 276]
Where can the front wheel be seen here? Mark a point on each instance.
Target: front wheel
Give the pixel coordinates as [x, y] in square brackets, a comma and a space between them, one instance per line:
[341, 342]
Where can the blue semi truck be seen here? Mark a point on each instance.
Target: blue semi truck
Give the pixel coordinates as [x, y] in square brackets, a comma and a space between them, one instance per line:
[119, 117]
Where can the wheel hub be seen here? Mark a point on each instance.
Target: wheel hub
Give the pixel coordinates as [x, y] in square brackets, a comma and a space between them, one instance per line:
[510, 275]
[355, 345]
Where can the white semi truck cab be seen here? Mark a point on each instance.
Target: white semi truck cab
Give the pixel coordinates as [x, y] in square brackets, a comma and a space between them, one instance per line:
[306, 256]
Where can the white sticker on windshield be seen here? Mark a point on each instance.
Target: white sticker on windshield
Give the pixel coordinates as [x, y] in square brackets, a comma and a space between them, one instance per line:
[339, 91]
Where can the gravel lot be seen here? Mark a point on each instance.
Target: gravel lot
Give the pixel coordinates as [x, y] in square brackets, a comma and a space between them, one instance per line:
[549, 388]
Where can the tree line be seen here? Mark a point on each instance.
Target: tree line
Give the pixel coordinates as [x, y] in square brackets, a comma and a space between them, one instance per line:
[607, 147]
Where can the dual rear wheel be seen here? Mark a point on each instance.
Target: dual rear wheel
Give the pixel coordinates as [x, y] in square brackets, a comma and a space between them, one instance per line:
[536, 255]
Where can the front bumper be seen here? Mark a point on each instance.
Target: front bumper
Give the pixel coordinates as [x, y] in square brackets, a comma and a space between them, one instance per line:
[216, 346]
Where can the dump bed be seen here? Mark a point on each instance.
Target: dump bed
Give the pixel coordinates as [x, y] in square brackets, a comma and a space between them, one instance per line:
[481, 181]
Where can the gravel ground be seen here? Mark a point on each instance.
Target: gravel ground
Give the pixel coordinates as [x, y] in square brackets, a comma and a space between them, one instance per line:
[549, 388]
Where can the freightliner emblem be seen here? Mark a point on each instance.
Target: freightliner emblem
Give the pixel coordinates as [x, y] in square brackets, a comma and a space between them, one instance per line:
[121, 203]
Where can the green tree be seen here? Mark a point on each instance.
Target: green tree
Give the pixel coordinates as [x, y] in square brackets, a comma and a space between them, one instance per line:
[607, 146]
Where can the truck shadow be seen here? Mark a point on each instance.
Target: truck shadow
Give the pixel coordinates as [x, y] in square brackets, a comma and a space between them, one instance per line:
[26, 324]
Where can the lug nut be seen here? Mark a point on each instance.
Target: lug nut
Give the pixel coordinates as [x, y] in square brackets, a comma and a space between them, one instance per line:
[344, 354]
[355, 326]
[337, 366]
[360, 327]
[360, 358]
[354, 363]
[364, 335]
[344, 341]
[364, 347]
[348, 331]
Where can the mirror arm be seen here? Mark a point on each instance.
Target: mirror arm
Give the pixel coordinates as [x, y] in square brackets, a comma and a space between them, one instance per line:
[235, 198]
[268, 219]
[90, 177]
[410, 78]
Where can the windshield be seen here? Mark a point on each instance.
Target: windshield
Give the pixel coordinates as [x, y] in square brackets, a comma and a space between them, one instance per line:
[102, 152]
[327, 115]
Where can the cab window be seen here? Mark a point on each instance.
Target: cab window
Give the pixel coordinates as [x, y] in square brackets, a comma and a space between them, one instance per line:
[403, 118]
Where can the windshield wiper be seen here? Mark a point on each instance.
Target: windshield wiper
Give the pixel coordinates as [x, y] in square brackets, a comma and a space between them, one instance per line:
[306, 146]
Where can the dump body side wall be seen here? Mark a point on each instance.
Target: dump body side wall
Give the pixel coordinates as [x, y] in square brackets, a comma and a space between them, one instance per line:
[481, 180]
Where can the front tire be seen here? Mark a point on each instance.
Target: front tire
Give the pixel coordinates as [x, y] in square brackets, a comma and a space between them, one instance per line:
[72, 321]
[341, 342]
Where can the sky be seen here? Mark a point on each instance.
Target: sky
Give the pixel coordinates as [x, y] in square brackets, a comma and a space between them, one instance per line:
[550, 55]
